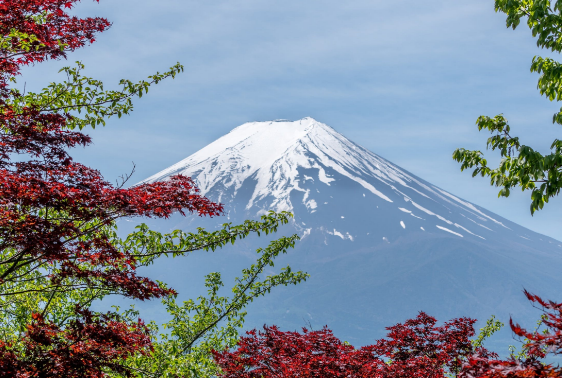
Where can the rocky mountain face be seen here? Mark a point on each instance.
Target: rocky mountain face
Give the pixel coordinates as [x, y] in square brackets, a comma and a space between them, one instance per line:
[380, 243]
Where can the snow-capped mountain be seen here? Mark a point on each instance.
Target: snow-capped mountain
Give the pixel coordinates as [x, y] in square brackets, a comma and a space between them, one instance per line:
[379, 242]
[288, 164]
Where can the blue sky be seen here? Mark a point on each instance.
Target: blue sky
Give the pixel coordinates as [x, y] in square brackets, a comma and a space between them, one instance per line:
[405, 79]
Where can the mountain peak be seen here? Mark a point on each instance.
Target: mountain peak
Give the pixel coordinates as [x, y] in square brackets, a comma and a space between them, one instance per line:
[279, 132]
[300, 166]
[251, 148]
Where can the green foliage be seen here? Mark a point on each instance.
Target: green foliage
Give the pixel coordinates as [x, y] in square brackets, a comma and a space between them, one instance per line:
[212, 321]
[196, 326]
[145, 244]
[80, 94]
[524, 352]
[17, 41]
[521, 166]
[492, 326]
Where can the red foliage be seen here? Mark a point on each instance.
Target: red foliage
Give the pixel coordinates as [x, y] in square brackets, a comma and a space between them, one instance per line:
[58, 29]
[416, 348]
[87, 346]
[273, 353]
[52, 208]
[69, 194]
[537, 346]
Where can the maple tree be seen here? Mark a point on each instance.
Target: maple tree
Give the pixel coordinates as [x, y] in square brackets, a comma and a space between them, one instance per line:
[415, 348]
[59, 248]
[54, 212]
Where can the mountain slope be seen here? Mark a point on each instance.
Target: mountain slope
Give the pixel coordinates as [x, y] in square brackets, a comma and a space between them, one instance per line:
[380, 243]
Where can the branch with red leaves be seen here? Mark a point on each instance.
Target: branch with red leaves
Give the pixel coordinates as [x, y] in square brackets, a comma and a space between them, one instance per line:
[86, 347]
[36, 30]
[416, 348]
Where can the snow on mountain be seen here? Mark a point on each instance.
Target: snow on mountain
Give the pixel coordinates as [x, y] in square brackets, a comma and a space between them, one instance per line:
[274, 154]
[380, 243]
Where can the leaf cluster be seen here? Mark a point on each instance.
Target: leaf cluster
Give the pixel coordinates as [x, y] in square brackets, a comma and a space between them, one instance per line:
[520, 166]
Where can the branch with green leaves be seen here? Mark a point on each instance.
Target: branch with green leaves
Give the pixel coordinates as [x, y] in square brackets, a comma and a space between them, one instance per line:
[17, 43]
[492, 326]
[211, 322]
[523, 353]
[145, 245]
[522, 166]
[84, 100]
